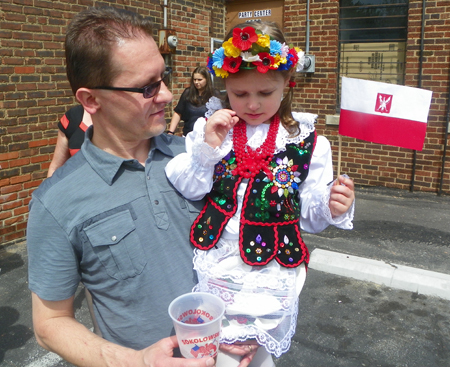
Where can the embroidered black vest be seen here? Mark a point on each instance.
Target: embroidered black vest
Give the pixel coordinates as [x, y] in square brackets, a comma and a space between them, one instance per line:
[270, 217]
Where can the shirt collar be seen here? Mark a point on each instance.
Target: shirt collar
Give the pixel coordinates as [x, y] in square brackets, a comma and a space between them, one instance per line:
[107, 165]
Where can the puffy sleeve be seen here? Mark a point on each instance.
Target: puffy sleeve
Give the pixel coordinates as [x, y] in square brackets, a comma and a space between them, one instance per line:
[191, 173]
[315, 193]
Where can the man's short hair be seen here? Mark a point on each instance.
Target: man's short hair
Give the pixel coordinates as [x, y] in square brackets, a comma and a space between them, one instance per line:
[90, 38]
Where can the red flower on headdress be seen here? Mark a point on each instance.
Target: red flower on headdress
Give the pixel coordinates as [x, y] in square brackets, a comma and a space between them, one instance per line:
[243, 38]
[293, 56]
[265, 64]
[232, 64]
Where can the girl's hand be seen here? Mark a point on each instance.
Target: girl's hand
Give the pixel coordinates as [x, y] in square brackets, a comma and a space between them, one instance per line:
[246, 350]
[342, 196]
[218, 125]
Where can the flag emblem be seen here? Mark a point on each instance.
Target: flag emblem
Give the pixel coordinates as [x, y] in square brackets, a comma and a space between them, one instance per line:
[383, 103]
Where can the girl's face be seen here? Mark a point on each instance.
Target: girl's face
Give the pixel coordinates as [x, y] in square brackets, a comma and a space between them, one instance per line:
[199, 82]
[255, 97]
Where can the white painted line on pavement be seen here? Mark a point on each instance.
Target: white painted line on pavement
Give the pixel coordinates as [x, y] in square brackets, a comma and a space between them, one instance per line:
[393, 275]
[48, 360]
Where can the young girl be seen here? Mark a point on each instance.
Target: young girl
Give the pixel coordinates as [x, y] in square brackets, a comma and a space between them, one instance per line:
[266, 176]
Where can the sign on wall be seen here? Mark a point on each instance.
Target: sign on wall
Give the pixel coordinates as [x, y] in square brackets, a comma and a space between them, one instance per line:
[240, 12]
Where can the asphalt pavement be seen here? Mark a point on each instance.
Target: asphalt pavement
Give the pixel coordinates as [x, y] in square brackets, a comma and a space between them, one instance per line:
[374, 296]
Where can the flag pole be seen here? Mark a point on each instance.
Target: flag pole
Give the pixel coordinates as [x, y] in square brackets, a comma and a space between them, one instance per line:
[339, 157]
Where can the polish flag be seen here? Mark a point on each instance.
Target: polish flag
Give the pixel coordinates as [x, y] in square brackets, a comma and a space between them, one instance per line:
[384, 113]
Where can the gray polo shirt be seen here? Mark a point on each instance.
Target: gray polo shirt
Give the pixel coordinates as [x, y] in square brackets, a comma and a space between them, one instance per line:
[122, 230]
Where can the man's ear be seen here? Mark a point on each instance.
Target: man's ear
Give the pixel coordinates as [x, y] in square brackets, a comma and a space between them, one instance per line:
[88, 99]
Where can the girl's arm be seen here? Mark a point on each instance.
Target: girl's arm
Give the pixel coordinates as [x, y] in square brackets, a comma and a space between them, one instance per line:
[191, 173]
[319, 197]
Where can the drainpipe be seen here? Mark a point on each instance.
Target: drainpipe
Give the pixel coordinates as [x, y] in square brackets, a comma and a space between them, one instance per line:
[307, 28]
[422, 36]
[165, 14]
[445, 145]
[166, 57]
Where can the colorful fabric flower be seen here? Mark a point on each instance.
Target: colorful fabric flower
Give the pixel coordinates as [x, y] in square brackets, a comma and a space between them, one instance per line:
[275, 48]
[264, 40]
[218, 57]
[249, 57]
[250, 49]
[232, 64]
[294, 56]
[220, 72]
[265, 64]
[230, 49]
[209, 65]
[284, 50]
[243, 38]
[301, 60]
[276, 62]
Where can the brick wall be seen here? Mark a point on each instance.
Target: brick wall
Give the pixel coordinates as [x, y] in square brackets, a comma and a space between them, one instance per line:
[372, 164]
[34, 92]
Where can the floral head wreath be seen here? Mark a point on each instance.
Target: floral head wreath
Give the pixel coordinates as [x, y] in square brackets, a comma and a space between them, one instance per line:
[252, 49]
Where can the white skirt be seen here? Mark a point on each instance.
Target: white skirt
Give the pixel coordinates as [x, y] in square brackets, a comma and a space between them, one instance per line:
[261, 301]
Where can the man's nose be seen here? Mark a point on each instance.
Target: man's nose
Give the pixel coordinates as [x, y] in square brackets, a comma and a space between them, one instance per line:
[164, 95]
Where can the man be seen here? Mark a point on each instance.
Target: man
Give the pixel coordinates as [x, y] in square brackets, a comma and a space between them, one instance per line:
[108, 217]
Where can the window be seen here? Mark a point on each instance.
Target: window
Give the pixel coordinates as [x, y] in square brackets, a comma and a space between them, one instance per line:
[372, 40]
[218, 83]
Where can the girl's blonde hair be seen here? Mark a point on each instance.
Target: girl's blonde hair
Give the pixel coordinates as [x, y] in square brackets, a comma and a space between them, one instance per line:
[285, 110]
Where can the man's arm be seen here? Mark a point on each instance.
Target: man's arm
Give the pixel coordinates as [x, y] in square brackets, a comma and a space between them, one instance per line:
[57, 330]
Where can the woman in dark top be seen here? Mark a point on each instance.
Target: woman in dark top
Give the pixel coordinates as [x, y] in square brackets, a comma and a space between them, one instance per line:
[192, 102]
[70, 136]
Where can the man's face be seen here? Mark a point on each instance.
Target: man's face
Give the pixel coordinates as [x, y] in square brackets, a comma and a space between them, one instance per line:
[129, 116]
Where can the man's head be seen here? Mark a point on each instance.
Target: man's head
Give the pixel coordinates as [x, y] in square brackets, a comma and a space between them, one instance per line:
[90, 38]
[118, 74]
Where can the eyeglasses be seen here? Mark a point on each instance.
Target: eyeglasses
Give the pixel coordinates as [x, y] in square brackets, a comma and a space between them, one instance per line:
[149, 91]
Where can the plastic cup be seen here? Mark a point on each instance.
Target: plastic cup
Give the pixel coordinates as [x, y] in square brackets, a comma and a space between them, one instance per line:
[197, 318]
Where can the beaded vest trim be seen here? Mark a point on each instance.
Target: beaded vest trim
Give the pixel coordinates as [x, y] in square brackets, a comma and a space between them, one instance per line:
[270, 217]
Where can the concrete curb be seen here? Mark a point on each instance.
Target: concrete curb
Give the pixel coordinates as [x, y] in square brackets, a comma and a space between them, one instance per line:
[389, 274]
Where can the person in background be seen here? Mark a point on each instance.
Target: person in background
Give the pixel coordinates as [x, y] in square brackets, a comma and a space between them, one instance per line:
[192, 103]
[266, 176]
[72, 127]
[109, 217]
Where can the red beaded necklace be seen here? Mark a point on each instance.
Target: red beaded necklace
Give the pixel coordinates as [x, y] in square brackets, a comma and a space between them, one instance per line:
[250, 162]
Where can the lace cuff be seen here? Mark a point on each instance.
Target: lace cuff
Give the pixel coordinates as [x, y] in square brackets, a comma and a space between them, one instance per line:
[205, 155]
[343, 221]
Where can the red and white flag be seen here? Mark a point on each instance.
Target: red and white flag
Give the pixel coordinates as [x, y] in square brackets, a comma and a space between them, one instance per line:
[384, 113]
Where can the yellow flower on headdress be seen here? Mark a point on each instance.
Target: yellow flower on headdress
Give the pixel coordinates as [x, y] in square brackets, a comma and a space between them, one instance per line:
[220, 72]
[277, 60]
[230, 49]
[263, 40]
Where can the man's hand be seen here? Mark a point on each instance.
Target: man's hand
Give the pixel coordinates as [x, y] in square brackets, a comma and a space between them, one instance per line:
[218, 125]
[160, 354]
[342, 196]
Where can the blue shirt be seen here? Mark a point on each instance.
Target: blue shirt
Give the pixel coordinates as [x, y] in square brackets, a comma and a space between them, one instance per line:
[122, 230]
